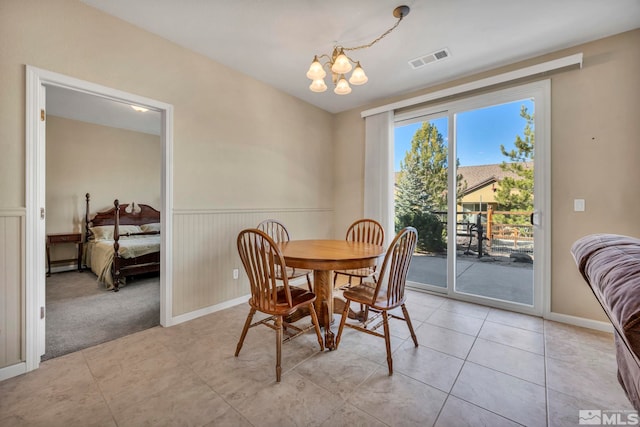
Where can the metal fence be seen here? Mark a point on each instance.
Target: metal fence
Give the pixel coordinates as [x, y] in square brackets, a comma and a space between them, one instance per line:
[507, 237]
[499, 232]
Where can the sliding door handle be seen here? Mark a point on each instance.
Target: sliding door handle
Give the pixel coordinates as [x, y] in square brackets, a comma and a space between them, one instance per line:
[534, 218]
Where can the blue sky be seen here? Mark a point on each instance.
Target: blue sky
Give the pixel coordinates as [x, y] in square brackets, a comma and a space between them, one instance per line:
[480, 133]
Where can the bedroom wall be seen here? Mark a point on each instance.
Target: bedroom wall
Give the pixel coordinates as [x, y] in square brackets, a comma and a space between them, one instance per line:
[83, 158]
[595, 148]
[242, 150]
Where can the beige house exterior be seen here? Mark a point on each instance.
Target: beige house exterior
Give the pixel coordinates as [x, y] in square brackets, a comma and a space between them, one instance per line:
[482, 184]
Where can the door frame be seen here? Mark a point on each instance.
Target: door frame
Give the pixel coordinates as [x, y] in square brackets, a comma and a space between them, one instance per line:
[541, 91]
[35, 149]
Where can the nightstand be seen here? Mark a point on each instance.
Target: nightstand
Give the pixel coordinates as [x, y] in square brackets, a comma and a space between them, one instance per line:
[57, 239]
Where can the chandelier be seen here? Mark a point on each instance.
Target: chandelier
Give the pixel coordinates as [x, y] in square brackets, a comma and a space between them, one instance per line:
[340, 64]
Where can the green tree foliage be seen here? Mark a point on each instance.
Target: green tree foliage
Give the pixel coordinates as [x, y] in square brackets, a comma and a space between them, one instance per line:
[421, 188]
[431, 232]
[516, 192]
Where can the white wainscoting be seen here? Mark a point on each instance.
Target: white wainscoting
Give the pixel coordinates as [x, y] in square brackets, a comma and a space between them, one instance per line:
[12, 233]
[205, 251]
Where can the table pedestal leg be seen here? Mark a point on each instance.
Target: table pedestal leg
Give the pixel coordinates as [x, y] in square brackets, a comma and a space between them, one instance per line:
[338, 308]
[323, 288]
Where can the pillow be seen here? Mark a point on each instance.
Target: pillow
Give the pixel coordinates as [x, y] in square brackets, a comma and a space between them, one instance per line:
[105, 232]
[154, 226]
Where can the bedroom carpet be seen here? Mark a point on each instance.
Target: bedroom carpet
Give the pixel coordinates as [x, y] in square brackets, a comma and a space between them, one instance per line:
[81, 313]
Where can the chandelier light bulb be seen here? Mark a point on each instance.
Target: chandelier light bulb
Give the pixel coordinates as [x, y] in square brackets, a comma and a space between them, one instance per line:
[316, 71]
[358, 77]
[318, 85]
[341, 65]
[342, 88]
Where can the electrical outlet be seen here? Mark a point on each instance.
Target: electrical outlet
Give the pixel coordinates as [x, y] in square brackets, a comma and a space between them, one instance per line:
[235, 273]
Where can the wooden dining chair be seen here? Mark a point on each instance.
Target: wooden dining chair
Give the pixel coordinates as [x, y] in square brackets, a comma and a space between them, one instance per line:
[367, 231]
[387, 294]
[278, 232]
[260, 256]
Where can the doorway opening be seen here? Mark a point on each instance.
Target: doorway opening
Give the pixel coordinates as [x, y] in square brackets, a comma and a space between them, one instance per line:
[97, 150]
[37, 80]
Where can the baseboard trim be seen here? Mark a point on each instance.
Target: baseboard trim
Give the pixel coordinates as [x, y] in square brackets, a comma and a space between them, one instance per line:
[207, 310]
[13, 371]
[556, 317]
[580, 321]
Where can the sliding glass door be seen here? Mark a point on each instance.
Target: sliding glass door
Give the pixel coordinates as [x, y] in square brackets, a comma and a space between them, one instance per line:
[421, 181]
[494, 234]
[467, 177]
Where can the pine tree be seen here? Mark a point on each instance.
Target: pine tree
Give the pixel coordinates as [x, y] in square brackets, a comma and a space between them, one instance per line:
[422, 187]
[516, 193]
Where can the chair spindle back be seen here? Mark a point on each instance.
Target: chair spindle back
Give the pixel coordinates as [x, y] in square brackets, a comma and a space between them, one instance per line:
[367, 231]
[261, 258]
[396, 265]
[274, 229]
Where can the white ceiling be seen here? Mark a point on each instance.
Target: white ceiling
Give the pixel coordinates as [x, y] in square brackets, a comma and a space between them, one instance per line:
[274, 41]
[94, 109]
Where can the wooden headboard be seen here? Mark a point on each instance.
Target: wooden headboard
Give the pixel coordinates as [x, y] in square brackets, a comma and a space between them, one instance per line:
[140, 214]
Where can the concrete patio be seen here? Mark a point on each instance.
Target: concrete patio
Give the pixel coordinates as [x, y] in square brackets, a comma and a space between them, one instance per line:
[490, 276]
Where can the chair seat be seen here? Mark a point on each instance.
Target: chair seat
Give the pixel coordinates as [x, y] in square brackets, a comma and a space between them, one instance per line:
[364, 293]
[299, 297]
[358, 272]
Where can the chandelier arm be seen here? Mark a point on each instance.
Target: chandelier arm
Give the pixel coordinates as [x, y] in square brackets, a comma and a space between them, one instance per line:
[350, 59]
[328, 62]
[383, 35]
[358, 77]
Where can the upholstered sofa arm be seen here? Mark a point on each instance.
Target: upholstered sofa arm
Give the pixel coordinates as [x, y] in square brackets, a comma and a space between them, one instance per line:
[610, 264]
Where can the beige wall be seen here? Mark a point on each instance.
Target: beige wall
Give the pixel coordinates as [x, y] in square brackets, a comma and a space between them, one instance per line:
[106, 162]
[226, 124]
[595, 149]
[240, 146]
[348, 170]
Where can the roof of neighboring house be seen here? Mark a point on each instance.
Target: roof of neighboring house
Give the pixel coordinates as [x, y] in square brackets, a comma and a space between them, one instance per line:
[483, 175]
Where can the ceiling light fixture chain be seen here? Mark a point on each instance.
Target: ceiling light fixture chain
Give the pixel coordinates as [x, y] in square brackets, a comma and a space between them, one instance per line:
[340, 64]
[385, 34]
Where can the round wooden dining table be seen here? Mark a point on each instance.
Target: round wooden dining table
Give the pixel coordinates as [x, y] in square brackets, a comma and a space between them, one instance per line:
[324, 256]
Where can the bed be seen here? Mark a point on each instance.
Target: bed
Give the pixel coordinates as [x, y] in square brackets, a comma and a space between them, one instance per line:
[122, 241]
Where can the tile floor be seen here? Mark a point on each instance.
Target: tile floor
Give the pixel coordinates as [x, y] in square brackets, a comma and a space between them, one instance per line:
[474, 366]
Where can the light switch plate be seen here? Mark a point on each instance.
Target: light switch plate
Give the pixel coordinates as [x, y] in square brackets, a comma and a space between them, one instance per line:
[578, 205]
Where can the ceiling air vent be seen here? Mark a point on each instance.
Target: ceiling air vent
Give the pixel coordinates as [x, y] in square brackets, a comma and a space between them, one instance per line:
[431, 57]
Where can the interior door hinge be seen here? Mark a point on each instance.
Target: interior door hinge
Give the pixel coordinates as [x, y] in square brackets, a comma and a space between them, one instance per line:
[42, 115]
[42, 312]
[41, 213]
